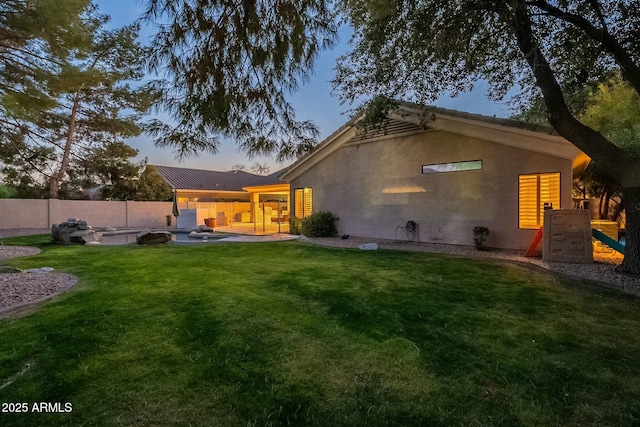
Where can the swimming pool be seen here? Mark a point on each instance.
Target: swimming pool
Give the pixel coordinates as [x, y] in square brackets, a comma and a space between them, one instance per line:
[129, 236]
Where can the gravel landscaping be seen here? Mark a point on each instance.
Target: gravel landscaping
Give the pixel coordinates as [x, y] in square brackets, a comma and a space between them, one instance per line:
[17, 289]
[20, 288]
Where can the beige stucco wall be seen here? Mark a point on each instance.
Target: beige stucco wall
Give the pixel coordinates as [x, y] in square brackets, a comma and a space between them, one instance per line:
[377, 186]
[26, 213]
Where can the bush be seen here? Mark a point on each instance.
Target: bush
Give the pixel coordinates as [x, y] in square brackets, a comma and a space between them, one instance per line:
[320, 224]
[480, 237]
[5, 192]
[295, 225]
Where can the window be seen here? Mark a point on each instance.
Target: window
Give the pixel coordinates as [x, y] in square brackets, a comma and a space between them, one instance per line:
[534, 192]
[470, 165]
[303, 202]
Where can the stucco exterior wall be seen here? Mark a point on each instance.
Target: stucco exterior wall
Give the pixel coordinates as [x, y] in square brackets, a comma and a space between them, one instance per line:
[376, 186]
[26, 213]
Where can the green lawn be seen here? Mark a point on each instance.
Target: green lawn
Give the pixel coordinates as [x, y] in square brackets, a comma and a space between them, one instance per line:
[292, 334]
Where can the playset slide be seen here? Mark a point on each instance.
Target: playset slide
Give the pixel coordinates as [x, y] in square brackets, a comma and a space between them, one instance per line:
[597, 234]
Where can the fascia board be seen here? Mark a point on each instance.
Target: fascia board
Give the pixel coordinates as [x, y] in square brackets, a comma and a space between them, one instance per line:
[269, 188]
[188, 190]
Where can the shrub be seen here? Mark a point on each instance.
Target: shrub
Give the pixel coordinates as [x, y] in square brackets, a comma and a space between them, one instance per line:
[320, 224]
[480, 237]
[295, 225]
[5, 192]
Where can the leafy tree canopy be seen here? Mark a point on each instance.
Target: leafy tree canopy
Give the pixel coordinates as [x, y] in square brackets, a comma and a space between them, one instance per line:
[420, 50]
[33, 36]
[230, 65]
[614, 110]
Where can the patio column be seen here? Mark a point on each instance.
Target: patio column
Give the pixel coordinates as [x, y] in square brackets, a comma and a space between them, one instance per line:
[254, 198]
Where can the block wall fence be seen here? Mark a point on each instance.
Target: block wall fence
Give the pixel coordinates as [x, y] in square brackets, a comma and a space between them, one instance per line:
[43, 213]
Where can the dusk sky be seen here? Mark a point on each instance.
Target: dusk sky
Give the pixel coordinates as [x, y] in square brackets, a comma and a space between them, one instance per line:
[313, 101]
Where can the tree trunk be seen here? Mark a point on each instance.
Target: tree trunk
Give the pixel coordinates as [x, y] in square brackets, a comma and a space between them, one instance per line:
[54, 185]
[620, 165]
[56, 179]
[631, 262]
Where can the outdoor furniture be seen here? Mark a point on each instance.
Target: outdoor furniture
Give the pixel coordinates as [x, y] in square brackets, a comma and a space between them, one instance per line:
[221, 219]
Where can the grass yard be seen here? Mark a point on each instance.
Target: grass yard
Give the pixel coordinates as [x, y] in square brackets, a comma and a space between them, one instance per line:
[292, 334]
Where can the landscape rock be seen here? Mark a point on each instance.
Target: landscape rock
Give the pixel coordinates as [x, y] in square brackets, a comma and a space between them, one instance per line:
[41, 270]
[202, 229]
[368, 247]
[74, 231]
[153, 237]
[83, 236]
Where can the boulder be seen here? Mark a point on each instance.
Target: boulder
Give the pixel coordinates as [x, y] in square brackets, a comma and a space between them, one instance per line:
[74, 230]
[368, 247]
[202, 229]
[153, 237]
[41, 270]
[83, 236]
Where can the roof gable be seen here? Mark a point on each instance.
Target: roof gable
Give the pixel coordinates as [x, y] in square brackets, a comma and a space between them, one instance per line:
[411, 118]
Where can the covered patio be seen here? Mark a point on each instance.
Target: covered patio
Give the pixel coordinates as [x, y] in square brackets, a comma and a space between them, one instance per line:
[234, 201]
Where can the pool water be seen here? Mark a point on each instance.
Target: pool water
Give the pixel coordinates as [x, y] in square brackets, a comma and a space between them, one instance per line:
[124, 238]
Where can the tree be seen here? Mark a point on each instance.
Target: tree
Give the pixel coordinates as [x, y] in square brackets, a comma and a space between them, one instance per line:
[422, 49]
[260, 168]
[108, 170]
[238, 167]
[64, 89]
[33, 36]
[95, 93]
[151, 186]
[230, 65]
[613, 109]
[107, 173]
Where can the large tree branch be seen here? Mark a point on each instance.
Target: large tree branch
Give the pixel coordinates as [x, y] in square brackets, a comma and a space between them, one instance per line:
[599, 148]
[630, 70]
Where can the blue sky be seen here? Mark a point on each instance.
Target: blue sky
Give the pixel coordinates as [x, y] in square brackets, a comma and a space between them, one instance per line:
[313, 101]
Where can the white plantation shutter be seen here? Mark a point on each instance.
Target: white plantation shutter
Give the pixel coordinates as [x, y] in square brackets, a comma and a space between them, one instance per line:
[533, 192]
[550, 190]
[308, 206]
[299, 209]
[303, 202]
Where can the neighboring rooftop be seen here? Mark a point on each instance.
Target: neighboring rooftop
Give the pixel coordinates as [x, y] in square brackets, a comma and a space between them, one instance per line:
[201, 179]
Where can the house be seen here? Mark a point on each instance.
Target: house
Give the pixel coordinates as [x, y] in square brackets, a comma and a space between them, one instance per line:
[446, 170]
[229, 197]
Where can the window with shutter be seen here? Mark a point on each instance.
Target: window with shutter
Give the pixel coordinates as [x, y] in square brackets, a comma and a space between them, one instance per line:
[534, 191]
[303, 202]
